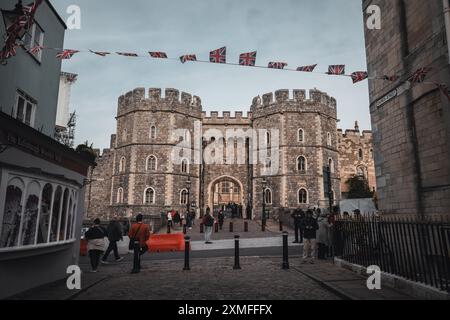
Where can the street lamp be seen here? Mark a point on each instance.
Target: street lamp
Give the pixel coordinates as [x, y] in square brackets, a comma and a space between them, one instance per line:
[263, 217]
[188, 187]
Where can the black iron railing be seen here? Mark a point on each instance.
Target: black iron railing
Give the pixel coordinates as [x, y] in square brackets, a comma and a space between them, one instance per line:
[417, 251]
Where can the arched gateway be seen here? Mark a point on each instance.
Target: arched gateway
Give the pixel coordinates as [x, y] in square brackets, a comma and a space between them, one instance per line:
[224, 191]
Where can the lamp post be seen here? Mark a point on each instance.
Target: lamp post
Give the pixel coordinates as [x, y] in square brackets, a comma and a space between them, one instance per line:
[263, 217]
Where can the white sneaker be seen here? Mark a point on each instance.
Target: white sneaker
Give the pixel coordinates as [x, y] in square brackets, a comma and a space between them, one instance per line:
[120, 259]
[104, 262]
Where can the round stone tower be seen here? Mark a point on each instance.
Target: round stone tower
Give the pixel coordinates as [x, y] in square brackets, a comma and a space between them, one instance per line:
[301, 142]
[150, 172]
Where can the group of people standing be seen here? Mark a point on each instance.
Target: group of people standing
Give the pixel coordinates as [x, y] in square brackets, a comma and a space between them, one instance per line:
[139, 233]
[174, 218]
[313, 228]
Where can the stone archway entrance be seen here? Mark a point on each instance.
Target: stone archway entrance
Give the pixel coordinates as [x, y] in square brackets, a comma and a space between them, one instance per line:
[227, 193]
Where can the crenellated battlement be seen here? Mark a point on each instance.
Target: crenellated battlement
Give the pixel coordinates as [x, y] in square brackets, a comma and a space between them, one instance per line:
[226, 117]
[172, 99]
[296, 95]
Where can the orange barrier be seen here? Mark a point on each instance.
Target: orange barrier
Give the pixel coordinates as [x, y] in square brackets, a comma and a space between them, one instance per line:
[83, 247]
[166, 242]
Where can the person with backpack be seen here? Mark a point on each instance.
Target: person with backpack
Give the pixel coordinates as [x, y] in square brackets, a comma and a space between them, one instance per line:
[96, 243]
[139, 235]
[208, 222]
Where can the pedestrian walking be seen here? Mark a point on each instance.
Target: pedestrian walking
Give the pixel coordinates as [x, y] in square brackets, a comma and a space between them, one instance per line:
[310, 227]
[114, 233]
[169, 219]
[96, 243]
[139, 234]
[221, 217]
[298, 215]
[323, 236]
[208, 222]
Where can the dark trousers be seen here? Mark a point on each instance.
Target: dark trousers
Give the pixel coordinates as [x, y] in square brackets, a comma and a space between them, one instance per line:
[298, 233]
[111, 247]
[138, 252]
[322, 251]
[94, 256]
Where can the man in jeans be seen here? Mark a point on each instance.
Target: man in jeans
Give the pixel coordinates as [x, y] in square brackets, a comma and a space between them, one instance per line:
[139, 233]
[310, 227]
[208, 222]
[114, 232]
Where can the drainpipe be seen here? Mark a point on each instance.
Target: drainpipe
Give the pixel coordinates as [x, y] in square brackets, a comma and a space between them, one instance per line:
[446, 4]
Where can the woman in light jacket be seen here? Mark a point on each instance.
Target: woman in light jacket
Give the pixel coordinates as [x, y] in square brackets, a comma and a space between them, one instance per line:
[323, 235]
[96, 243]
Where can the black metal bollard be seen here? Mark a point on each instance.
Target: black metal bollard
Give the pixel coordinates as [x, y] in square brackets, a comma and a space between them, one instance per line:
[168, 228]
[184, 229]
[231, 226]
[187, 247]
[237, 266]
[281, 226]
[245, 226]
[216, 227]
[201, 227]
[285, 251]
[263, 227]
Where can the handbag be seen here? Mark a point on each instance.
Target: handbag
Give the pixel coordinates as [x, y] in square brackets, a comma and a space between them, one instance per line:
[133, 239]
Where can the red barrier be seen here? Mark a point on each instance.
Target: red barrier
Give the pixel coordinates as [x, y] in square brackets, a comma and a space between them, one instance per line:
[166, 242]
[83, 247]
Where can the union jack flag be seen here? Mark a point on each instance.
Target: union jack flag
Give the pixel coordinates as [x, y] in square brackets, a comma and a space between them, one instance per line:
[36, 49]
[31, 9]
[127, 54]
[9, 50]
[188, 57]
[66, 54]
[307, 68]
[248, 59]
[160, 55]
[336, 69]
[391, 78]
[218, 56]
[420, 75]
[277, 65]
[100, 53]
[359, 76]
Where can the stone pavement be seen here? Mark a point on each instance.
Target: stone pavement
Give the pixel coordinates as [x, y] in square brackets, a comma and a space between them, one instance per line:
[243, 243]
[260, 278]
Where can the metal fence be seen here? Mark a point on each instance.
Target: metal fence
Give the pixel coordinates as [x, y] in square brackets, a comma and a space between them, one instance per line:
[417, 251]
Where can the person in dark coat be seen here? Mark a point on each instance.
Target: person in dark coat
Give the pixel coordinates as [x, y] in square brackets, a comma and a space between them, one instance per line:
[310, 227]
[114, 232]
[298, 215]
[221, 217]
[96, 243]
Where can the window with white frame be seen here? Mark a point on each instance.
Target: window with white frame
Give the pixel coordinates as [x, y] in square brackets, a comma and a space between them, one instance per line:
[153, 132]
[34, 38]
[268, 196]
[36, 212]
[151, 164]
[301, 135]
[301, 164]
[25, 109]
[184, 196]
[149, 196]
[119, 198]
[302, 196]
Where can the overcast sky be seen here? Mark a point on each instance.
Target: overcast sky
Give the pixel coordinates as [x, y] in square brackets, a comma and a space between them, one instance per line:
[299, 32]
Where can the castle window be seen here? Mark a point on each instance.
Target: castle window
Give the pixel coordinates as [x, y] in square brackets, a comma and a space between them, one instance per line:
[149, 196]
[371, 153]
[184, 166]
[151, 164]
[268, 196]
[122, 165]
[152, 132]
[119, 198]
[302, 196]
[360, 154]
[225, 187]
[301, 164]
[184, 197]
[329, 142]
[331, 165]
[268, 165]
[301, 135]
[268, 138]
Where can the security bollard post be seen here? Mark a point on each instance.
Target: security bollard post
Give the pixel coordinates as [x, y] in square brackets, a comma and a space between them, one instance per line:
[285, 251]
[237, 266]
[201, 227]
[281, 226]
[216, 227]
[187, 247]
[168, 228]
[231, 226]
[245, 226]
[184, 229]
